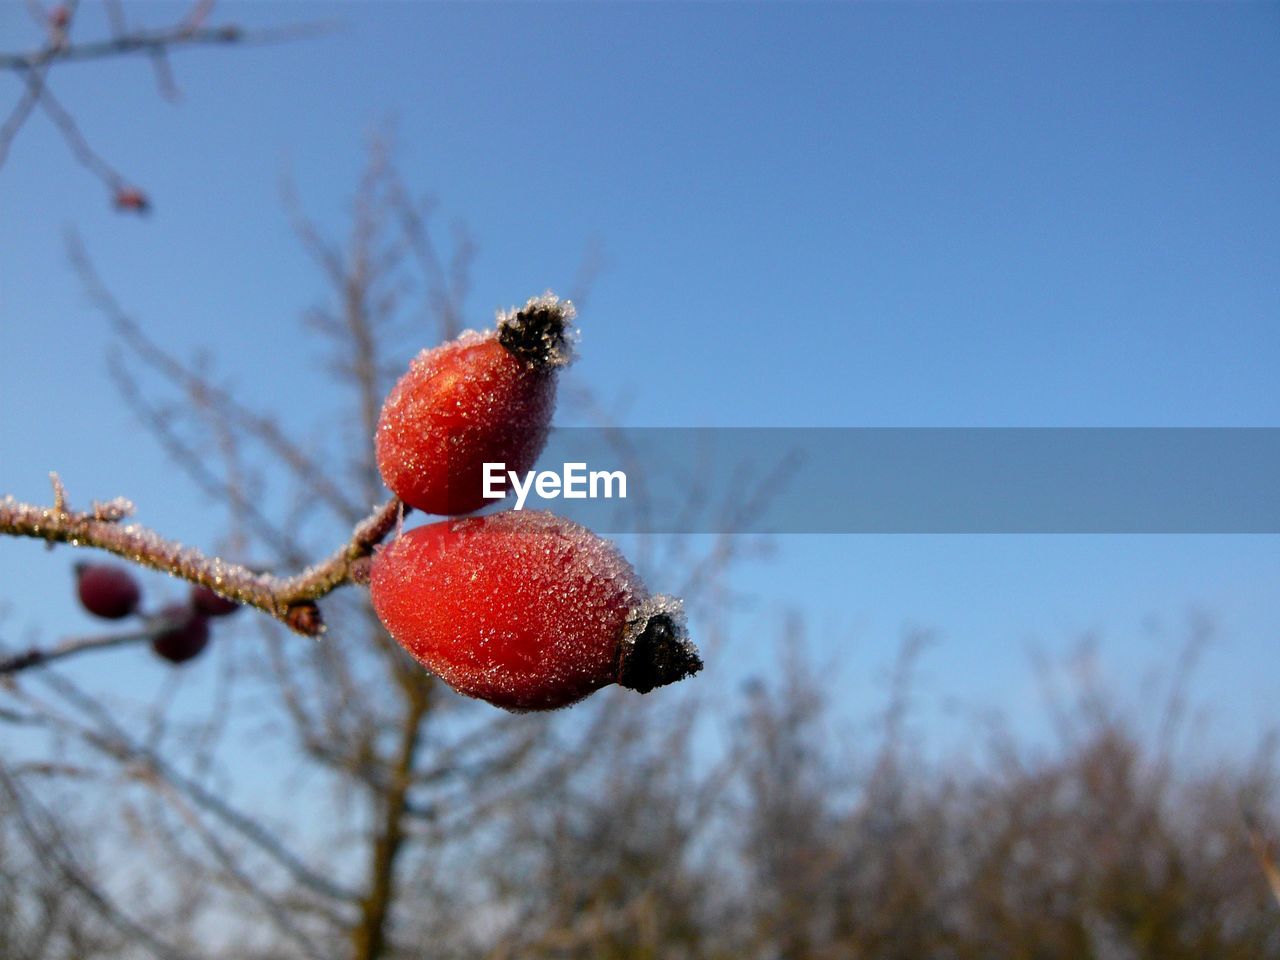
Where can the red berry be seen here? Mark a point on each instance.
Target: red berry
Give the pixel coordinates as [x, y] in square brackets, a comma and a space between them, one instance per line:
[59, 17]
[107, 591]
[132, 199]
[205, 601]
[527, 611]
[185, 636]
[482, 398]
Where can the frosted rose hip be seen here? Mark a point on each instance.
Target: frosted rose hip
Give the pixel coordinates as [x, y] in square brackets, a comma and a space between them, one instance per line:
[527, 611]
[482, 398]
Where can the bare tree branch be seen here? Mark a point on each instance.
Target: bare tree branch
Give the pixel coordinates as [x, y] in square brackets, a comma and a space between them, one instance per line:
[37, 657]
[42, 832]
[34, 66]
[149, 42]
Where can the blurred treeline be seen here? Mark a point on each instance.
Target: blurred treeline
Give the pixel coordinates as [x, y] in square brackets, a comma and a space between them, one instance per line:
[805, 845]
[635, 838]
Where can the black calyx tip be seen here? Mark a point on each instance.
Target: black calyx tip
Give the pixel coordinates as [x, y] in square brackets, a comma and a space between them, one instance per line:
[656, 649]
[538, 333]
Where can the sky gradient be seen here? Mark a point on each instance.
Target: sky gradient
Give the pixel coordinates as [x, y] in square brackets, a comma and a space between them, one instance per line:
[808, 215]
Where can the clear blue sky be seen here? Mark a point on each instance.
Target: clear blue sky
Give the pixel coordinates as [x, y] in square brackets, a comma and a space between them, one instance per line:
[851, 215]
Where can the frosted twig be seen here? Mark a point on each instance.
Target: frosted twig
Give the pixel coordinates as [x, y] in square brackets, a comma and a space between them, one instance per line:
[33, 68]
[37, 656]
[290, 600]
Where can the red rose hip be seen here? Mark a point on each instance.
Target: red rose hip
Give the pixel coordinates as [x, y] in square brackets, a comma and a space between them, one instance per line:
[185, 637]
[527, 611]
[482, 398]
[107, 591]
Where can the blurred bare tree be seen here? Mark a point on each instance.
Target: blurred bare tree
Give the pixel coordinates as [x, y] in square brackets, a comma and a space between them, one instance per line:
[402, 776]
[62, 43]
[291, 798]
[288, 798]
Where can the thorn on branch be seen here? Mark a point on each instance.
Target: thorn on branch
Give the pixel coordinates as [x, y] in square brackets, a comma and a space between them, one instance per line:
[59, 492]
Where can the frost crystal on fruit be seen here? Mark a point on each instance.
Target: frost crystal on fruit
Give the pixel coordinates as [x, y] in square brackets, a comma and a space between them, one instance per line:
[527, 611]
[655, 645]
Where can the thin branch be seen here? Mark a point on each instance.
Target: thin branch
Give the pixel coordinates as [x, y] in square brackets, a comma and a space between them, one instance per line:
[155, 44]
[149, 42]
[42, 833]
[105, 736]
[166, 84]
[85, 155]
[21, 112]
[198, 14]
[36, 656]
[236, 873]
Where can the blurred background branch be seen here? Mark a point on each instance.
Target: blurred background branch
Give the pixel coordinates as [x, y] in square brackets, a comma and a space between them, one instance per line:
[34, 67]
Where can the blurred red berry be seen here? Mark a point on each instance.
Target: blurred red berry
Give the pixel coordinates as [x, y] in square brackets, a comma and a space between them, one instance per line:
[132, 199]
[59, 18]
[482, 398]
[527, 611]
[205, 601]
[185, 638]
[107, 591]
